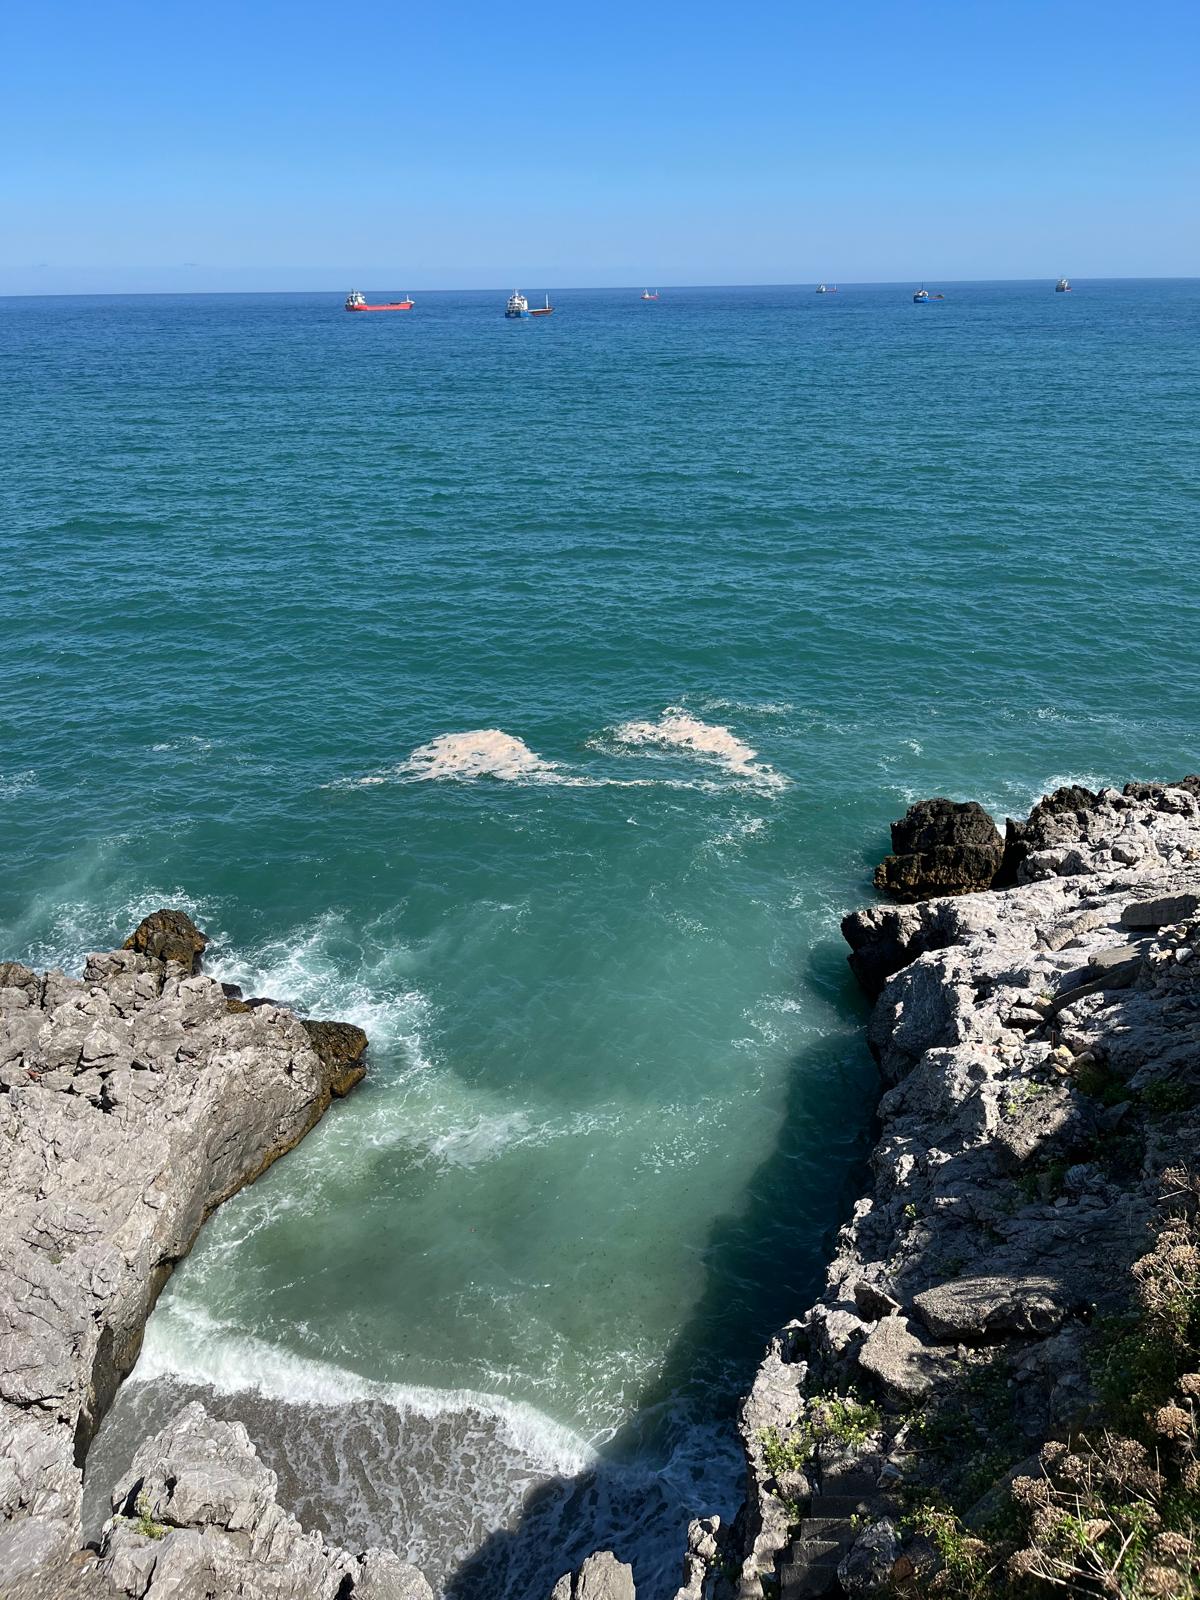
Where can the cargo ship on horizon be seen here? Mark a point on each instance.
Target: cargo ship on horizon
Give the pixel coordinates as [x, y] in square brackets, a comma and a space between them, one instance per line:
[357, 301]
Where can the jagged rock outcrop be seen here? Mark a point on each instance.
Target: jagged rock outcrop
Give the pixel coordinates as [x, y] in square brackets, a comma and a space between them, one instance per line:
[1041, 1050]
[133, 1101]
[601, 1577]
[169, 936]
[941, 847]
[884, 938]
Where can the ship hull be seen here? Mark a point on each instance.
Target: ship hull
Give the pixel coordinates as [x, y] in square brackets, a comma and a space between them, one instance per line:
[401, 305]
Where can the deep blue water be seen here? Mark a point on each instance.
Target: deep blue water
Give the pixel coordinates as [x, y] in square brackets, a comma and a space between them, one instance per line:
[716, 586]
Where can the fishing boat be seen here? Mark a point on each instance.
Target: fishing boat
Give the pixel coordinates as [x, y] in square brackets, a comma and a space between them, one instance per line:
[542, 311]
[821, 289]
[356, 301]
[1063, 286]
[921, 296]
[646, 295]
[517, 305]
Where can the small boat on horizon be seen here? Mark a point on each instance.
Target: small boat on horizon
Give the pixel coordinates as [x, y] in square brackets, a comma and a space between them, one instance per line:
[821, 289]
[517, 305]
[921, 296]
[357, 301]
[1063, 286]
[542, 311]
[646, 295]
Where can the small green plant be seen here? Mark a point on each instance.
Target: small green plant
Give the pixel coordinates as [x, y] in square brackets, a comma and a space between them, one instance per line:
[1022, 1093]
[142, 1520]
[838, 1417]
[1162, 1099]
[964, 1558]
[782, 1455]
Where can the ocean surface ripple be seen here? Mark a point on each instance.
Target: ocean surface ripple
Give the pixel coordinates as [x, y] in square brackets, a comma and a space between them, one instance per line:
[538, 696]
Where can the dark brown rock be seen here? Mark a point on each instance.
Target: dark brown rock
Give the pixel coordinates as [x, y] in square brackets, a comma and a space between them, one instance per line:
[341, 1048]
[941, 847]
[169, 936]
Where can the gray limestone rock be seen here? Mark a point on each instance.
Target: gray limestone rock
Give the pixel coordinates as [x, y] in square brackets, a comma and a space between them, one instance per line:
[132, 1103]
[1161, 911]
[197, 1515]
[901, 1362]
[867, 1566]
[1020, 1033]
[601, 1577]
[979, 1308]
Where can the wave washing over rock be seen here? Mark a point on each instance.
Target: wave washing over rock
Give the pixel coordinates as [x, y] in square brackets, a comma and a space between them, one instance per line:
[995, 1394]
[134, 1101]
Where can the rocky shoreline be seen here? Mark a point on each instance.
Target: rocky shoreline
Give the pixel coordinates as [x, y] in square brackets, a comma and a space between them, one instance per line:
[1009, 1323]
[133, 1101]
[994, 1394]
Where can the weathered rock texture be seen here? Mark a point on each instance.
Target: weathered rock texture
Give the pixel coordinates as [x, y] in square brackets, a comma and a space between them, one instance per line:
[133, 1101]
[1041, 1051]
[941, 847]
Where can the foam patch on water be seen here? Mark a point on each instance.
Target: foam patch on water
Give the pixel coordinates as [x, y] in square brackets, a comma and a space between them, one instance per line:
[678, 732]
[750, 708]
[464, 757]
[492, 753]
[189, 744]
[482, 753]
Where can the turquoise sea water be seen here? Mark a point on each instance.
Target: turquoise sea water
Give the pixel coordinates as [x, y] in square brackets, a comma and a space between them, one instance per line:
[714, 587]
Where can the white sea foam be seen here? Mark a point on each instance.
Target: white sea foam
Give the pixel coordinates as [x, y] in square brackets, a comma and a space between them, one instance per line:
[482, 753]
[188, 744]
[679, 732]
[463, 757]
[15, 783]
[65, 933]
[491, 753]
[323, 967]
[196, 1349]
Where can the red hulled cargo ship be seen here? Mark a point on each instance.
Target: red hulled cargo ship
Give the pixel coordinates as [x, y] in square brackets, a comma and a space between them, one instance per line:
[358, 302]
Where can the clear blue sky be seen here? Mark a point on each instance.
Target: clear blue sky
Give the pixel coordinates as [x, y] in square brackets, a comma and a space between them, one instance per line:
[300, 145]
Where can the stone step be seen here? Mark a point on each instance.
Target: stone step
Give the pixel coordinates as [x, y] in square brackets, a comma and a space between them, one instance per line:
[808, 1580]
[810, 1550]
[837, 1529]
[844, 1505]
[858, 1483]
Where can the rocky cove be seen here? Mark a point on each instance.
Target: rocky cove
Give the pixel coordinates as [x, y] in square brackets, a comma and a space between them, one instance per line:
[995, 1395]
[991, 1340]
